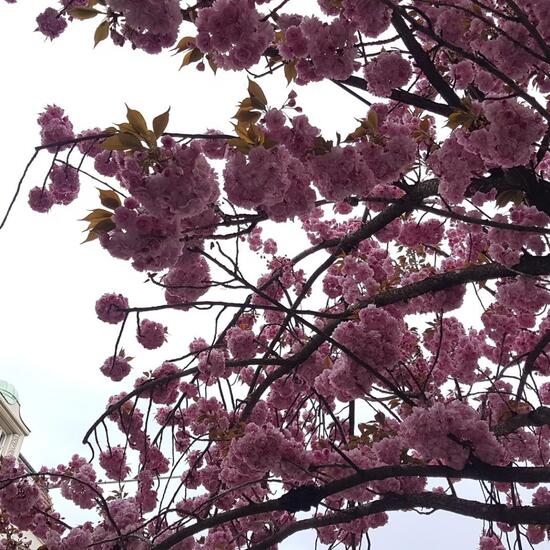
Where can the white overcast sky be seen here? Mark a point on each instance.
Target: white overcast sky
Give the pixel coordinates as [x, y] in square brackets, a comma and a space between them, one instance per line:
[51, 344]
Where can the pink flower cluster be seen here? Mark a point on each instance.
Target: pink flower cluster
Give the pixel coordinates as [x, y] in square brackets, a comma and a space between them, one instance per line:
[233, 32]
[50, 23]
[55, 127]
[427, 431]
[149, 24]
[387, 71]
[328, 47]
[113, 461]
[151, 335]
[109, 308]
[187, 280]
[116, 367]
[269, 180]
[508, 140]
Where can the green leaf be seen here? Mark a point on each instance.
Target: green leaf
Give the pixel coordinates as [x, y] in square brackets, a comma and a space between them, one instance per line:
[102, 32]
[160, 123]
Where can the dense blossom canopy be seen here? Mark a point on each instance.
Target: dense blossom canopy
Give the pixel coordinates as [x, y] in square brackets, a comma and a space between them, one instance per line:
[346, 381]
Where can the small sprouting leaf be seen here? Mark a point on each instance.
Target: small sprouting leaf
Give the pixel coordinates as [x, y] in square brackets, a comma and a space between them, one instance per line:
[83, 13]
[212, 64]
[92, 236]
[356, 135]
[514, 196]
[97, 214]
[121, 142]
[104, 225]
[191, 57]
[113, 143]
[372, 120]
[255, 91]
[290, 72]
[241, 145]
[184, 44]
[126, 127]
[102, 32]
[321, 146]
[248, 117]
[109, 198]
[160, 123]
[135, 118]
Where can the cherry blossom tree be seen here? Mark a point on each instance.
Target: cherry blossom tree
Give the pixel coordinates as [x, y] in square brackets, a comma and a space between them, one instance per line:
[345, 382]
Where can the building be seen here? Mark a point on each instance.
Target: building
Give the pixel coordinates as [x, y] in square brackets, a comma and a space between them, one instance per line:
[13, 431]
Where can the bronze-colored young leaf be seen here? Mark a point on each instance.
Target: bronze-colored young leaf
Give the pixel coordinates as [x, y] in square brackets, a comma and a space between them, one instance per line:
[136, 119]
[192, 57]
[109, 198]
[290, 72]
[160, 123]
[248, 117]
[113, 143]
[130, 141]
[514, 196]
[126, 127]
[246, 104]
[92, 236]
[255, 91]
[242, 132]
[97, 214]
[184, 44]
[321, 146]
[102, 32]
[240, 144]
[372, 120]
[212, 64]
[359, 133]
[104, 225]
[83, 13]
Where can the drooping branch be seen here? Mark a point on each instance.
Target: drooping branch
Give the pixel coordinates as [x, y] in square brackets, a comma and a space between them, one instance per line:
[530, 362]
[529, 265]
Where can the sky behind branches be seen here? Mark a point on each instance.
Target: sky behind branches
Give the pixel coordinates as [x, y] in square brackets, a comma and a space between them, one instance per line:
[51, 342]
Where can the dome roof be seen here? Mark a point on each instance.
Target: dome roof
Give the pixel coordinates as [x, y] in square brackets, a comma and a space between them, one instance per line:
[9, 392]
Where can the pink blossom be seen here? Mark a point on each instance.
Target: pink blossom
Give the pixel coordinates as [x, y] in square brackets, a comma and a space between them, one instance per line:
[151, 335]
[51, 23]
[109, 308]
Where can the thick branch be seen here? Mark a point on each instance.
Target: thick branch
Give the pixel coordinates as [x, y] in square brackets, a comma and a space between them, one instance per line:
[424, 62]
[513, 515]
[405, 97]
[311, 496]
[536, 417]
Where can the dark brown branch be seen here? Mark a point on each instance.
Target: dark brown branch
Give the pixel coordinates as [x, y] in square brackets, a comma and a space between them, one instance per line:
[529, 265]
[405, 97]
[311, 496]
[536, 417]
[424, 62]
[512, 515]
[530, 362]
